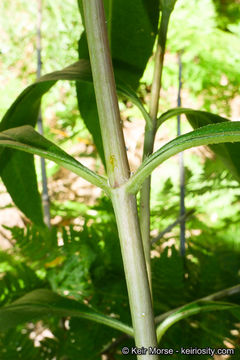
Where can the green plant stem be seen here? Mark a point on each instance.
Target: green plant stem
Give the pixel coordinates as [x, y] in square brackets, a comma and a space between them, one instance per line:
[135, 269]
[118, 172]
[105, 90]
[181, 166]
[144, 209]
[150, 132]
[45, 194]
[160, 318]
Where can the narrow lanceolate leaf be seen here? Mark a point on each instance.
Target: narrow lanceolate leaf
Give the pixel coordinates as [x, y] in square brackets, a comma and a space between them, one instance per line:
[130, 94]
[24, 111]
[43, 303]
[17, 169]
[228, 153]
[189, 310]
[25, 138]
[132, 27]
[206, 135]
[212, 297]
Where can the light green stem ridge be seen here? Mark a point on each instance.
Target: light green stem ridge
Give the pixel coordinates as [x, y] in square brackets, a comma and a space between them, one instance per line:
[144, 207]
[118, 172]
[26, 139]
[206, 135]
[158, 67]
[135, 269]
[150, 132]
[105, 90]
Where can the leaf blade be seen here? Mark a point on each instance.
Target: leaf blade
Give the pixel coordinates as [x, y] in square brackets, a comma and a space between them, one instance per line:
[25, 138]
[23, 189]
[189, 310]
[209, 134]
[228, 153]
[15, 165]
[25, 109]
[43, 302]
[130, 94]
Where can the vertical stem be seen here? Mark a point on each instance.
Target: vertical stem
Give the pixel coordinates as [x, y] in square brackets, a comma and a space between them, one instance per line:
[105, 90]
[144, 209]
[45, 196]
[135, 270]
[118, 172]
[150, 137]
[39, 47]
[181, 166]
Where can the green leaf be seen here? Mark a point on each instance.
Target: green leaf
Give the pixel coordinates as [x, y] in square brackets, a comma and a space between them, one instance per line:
[189, 310]
[206, 135]
[130, 54]
[130, 94]
[228, 153]
[202, 117]
[43, 303]
[88, 110]
[25, 138]
[24, 110]
[17, 169]
[132, 28]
